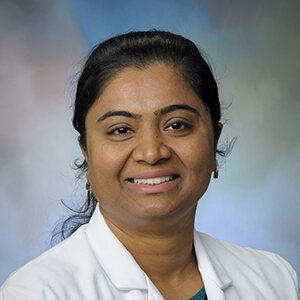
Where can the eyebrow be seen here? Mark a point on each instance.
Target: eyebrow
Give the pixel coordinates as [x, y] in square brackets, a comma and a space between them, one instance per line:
[122, 113]
[160, 112]
[174, 107]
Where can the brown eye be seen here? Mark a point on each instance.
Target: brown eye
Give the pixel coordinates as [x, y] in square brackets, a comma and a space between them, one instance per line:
[178, 125]
[120, 131]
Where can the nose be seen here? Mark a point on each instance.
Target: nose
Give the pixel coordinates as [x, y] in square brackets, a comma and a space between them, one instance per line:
[151, 148]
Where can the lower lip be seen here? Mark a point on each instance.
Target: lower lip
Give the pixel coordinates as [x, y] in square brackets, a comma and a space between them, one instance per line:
[153, 189]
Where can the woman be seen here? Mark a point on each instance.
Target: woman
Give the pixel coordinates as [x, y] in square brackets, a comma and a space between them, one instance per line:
[147, 112]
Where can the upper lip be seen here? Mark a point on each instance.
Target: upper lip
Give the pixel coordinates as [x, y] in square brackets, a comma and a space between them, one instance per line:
[153, 174]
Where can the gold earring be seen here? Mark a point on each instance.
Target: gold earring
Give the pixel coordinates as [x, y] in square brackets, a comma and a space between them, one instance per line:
[87, 186]
[216, 172]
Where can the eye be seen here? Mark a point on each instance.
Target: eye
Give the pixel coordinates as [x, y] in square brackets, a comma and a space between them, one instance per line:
[120, 130]
[178, 125]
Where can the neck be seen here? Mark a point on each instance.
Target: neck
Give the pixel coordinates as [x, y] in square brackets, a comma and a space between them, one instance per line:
[164, 252]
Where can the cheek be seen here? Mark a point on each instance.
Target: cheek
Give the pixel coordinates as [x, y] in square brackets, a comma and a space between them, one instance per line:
[199, 162]
[106, 161]
[197, 155]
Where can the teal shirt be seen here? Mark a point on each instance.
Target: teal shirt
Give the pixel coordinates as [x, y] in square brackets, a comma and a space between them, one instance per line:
[201, 295]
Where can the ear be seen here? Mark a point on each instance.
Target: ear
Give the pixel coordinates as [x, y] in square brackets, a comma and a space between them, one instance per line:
[220, 127]
[217, 137]
[83, 150]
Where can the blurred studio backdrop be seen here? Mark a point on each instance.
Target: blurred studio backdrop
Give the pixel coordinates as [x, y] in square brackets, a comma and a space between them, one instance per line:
[253, 48]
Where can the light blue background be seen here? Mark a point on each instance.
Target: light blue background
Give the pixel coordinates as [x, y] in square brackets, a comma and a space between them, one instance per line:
[253, 47]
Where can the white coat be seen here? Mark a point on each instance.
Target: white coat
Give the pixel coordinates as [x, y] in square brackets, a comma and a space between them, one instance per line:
[92, 264]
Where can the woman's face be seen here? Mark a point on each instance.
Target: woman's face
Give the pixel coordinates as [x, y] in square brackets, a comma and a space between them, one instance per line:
[150, 146]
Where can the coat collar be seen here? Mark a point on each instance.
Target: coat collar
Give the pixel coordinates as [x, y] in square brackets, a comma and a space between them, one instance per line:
[113, 257]
[123, 270]
[209, 266]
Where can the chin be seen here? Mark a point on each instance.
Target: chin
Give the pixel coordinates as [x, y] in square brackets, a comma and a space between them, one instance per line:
[158, 211]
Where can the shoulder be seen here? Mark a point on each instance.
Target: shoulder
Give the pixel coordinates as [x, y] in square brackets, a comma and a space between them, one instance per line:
[247, 264]
[60, 266]
[245, 255]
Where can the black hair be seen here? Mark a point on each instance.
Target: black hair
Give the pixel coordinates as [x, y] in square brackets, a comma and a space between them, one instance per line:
[137, 49]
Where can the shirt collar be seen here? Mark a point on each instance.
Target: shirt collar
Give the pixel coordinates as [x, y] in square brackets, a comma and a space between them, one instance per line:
[209, 266]
[123, 270]
[114, 258]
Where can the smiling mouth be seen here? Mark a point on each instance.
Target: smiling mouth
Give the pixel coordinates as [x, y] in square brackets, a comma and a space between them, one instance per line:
[153, 181]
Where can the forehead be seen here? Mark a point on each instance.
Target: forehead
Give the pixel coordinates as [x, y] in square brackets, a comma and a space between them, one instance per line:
[146, 90]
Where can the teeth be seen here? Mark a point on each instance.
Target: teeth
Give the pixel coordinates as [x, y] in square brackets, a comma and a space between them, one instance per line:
[157, 181]
[153, 181]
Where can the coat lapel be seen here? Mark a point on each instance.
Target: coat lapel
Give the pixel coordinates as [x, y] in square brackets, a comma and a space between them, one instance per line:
[215, 278]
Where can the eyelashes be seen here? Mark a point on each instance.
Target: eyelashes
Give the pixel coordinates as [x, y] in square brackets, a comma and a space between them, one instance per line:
[179, 125]
[175, 126]
[122, 130]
